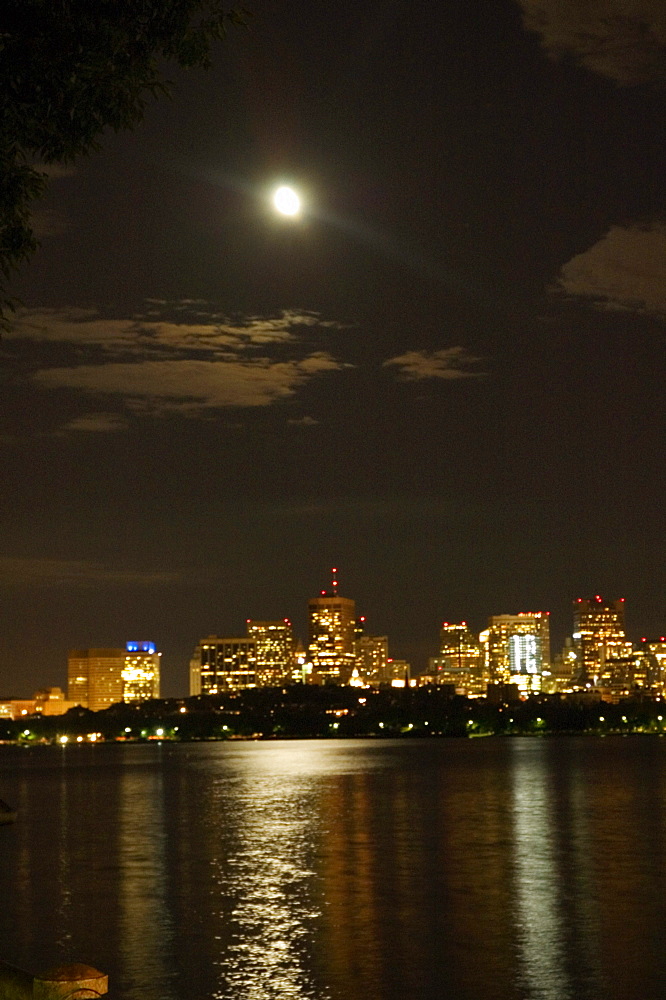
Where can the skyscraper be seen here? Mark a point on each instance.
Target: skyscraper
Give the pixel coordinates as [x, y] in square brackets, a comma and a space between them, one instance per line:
[226, 664]
[460, 661]
[598, 636]
[141, 673]
[652, 652]
[95, 677]
[275, 650]
[371, 652]
[518, 648]
[195, 672]
[332, 621]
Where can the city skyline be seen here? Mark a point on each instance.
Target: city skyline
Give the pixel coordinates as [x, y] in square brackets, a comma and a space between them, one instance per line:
[269, 640]
[444, 374]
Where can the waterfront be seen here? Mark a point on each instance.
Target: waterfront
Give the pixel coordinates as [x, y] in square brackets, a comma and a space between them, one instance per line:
[515, 869]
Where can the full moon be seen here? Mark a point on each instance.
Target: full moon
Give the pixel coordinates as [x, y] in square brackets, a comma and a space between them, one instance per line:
[287, 201]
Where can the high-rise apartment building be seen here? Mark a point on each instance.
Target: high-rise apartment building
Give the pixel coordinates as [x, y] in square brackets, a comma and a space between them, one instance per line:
[95, 677]
[332, 624]
[226, 664]
[518, 649]
[275, 650]
[598, 636]
[460, 661]
[141, 673]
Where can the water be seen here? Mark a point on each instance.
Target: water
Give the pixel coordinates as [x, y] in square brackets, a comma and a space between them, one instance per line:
[505, 869]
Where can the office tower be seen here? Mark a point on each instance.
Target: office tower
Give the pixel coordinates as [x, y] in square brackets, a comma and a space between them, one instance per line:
[95, 677]
[460, 661]
[226, 664]
[371, 655]
[359, 628]
[141, 673]
[302, 669]
[518, 649]
[558, 678]
[332, 621]
[275, 650]
[652, 656]
[195, 673]
[598, 636]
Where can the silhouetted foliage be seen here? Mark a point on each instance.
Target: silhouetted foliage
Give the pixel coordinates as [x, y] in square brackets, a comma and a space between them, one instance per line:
[70, 69]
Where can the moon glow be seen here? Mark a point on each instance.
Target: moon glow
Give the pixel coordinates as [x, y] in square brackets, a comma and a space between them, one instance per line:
[287, 201]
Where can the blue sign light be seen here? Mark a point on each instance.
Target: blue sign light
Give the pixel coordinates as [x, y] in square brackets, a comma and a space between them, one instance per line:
[140, 647]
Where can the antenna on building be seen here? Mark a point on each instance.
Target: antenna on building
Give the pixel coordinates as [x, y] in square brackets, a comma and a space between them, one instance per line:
[335, 581]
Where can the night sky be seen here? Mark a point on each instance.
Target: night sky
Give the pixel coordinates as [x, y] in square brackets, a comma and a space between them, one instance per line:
[446, 377]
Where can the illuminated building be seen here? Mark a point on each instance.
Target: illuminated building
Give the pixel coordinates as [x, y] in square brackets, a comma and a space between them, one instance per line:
[371, 652]
[652, 655]
[559, 677]
[460, 661]
[141, 673]
[47, 701]
[302, 669]
[518, 649]
[52, 701]
[275, 650]
[17, 708]
[620, 673]
[598, 636]
[95, 677]
[226, 664]
[195, 672]
[332, 623]
[398, 673]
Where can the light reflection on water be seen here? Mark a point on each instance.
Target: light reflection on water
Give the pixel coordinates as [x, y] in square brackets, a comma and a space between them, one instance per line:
[540, 920]
[146, 935]
[273, 828]
[325, 870]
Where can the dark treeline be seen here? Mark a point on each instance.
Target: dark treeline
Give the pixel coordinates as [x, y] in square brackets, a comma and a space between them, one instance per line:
[300, 711]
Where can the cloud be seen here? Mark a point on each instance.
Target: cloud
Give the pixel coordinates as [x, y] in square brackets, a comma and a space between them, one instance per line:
[624, 40]
[96, 423]
[304, 422]
[626, 269]
[189, 386]
[177, 357]
[164, 329]
[448, 363]
[30, 571]
[138, 335]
